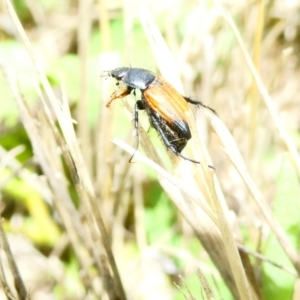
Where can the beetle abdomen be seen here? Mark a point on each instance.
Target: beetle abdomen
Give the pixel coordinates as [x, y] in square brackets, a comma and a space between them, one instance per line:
[174, 136]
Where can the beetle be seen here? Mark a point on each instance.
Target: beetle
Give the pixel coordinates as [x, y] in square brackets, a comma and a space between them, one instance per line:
[164, 106]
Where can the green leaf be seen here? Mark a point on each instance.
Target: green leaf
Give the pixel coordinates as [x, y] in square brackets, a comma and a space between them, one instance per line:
[278, 284]
[159, 218]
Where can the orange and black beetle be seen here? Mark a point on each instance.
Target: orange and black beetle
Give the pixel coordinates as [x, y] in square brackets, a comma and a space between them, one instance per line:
[165, 107]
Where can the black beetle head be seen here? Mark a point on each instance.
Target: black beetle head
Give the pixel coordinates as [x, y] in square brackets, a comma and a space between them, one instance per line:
[119, 73]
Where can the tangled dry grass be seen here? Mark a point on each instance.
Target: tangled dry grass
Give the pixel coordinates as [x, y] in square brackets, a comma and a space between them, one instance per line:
[80, 222]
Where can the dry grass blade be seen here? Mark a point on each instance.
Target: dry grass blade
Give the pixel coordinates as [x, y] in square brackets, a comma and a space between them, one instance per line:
[290, 145]
[197, 215]
[230, 246]
[159, 47]
[205, 285]
[256, 60]
[186, 294]
[84, 187]
[297, 290]
[237, 160]
[3, 282]
[235, 157]
[84, 31]
[8, 159]
[263, 258]
[19, 285]
[64, 206]
[217, 201]
[220, 208]
[164, 174]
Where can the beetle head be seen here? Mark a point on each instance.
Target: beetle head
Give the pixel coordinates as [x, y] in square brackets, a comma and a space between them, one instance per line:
[119, 73]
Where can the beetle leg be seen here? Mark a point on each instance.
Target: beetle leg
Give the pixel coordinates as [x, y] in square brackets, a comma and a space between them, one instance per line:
[195, 102]
[139, 105]
[118, 94]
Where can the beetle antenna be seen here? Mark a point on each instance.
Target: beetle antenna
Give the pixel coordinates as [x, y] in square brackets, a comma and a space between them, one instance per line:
[106, 73]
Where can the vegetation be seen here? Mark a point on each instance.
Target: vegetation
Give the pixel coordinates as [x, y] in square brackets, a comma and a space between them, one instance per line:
[81, 222]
